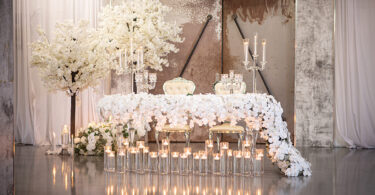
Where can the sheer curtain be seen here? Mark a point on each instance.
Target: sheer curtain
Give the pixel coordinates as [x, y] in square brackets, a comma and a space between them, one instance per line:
[355, 72]
[38, 112]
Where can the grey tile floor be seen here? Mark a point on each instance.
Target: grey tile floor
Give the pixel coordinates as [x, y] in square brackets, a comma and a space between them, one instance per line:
[335, 171]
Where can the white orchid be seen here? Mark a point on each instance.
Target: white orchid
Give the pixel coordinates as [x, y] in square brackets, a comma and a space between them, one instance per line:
[209, 109]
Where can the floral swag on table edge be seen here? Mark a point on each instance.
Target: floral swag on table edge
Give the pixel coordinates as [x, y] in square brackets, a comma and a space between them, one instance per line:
[208, 110]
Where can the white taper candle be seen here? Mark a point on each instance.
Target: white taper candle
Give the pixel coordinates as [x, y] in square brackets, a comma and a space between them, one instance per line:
[245, 48]
[255, 44]
[120, 58]
[264, 50]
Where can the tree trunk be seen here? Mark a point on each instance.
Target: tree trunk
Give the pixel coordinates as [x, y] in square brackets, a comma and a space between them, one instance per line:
[73, 114]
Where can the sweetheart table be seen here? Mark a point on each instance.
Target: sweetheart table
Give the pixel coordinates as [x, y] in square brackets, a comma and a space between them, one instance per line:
[261, 112]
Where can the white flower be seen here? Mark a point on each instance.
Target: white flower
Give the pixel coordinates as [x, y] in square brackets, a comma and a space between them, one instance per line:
[77, 140]
[210, 109]
[71, 60]
[140, 22]
[83, 140]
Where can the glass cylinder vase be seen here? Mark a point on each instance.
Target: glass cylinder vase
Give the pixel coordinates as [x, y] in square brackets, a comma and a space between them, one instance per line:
[188, 152]
[237, 162]
[247, 164]
[146, 156]
[131, 159]
[216, 164]
[121, 160]
[184, 164]
[203, 163]
[258, 163]
[196, 163]
[174, 162]
[139, 156]
[153, 162]
[229, 161]
[107, 149]
[111, 161]
[163, 162]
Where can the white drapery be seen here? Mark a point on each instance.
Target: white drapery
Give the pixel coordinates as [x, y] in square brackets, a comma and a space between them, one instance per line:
[38, 112]
[355, 72]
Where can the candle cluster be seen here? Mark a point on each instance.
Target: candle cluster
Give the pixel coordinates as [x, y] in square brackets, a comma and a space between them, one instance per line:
[226, 162]
[255, 54]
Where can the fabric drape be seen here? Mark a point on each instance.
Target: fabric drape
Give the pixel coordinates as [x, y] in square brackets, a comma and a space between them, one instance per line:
[354, 72]
[38, 112]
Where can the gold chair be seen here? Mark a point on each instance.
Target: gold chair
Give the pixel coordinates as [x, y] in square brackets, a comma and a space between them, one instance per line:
[226, 127]
[177, 86]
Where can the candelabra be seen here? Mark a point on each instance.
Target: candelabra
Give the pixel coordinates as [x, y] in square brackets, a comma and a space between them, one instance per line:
[232, 81]
[254, 66]
[131, 61]
[145, 81]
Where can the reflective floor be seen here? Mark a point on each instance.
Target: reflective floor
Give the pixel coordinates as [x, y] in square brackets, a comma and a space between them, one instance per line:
[335, 171]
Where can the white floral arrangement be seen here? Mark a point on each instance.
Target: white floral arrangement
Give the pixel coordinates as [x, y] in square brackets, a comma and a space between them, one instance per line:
[139, 24]
[71, 60]
[261, 111]
[92, 139]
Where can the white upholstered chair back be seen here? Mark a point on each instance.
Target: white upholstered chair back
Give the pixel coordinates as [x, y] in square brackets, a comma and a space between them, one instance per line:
[179, 86]
[221, 90]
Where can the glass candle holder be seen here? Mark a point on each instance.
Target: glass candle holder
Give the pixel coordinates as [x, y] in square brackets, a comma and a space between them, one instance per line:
[209, 148]
[224, 146]
[174, 162]
[224, 162]
[153, 162]
[196, 163]
[163, 162]
[107, 149]
[146, 150]
[165, 144]
[65, 140]
[131, 159]
[237, 162]
[203, 163]
[188, 152]
[139, 161]
[258, 163]
[208, 145]
[246, 145]
[139, 156]
[216, 164]
[121, 160]
[184, 164]
[111, 161]
[230, 161]
[247, 164]
[125, 143]
[140, 144]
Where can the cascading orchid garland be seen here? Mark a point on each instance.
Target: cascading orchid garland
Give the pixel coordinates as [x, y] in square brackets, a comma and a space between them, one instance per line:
[208, 110]
[138, 24]
[71, 60]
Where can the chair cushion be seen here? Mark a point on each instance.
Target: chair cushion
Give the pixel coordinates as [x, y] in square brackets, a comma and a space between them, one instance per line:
[179, 86]
[179, 128]
[226, 128]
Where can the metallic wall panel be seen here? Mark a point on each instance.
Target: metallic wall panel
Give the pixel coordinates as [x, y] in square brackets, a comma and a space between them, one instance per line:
[6, 97]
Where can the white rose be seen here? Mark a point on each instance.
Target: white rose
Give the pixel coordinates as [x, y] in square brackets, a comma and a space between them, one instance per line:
[77, 140]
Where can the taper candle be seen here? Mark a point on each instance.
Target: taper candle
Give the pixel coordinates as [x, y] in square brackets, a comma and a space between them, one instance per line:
[264, 50]
[245, 49]
[255, 44]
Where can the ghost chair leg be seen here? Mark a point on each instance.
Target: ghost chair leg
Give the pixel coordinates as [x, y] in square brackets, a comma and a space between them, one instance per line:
[157, 139]
[187, 138]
